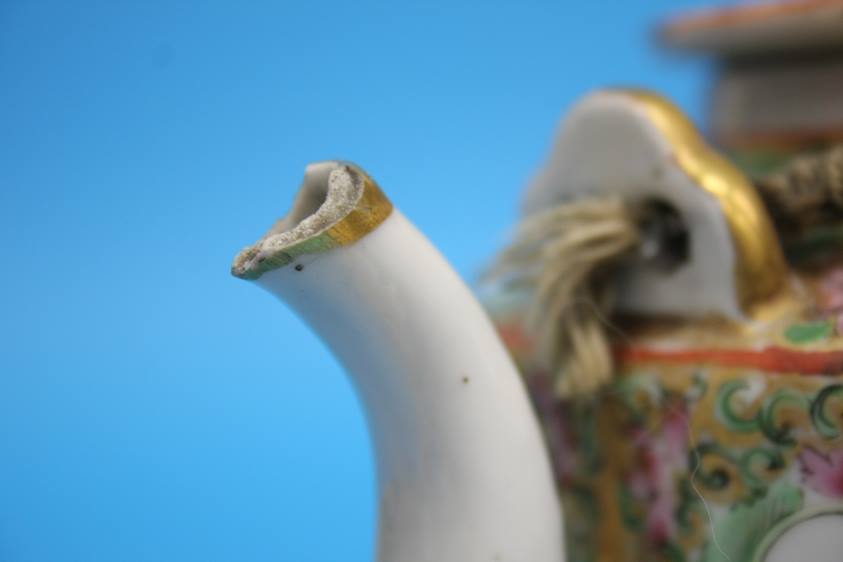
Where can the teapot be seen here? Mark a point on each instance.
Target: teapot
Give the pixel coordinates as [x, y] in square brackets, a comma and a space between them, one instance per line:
[680, 397]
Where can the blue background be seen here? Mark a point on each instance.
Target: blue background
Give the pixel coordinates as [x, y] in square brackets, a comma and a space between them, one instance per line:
[153, 408]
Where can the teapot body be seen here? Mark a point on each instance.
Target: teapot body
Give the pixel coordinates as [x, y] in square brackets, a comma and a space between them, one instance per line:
[715, 440]
[720, 435]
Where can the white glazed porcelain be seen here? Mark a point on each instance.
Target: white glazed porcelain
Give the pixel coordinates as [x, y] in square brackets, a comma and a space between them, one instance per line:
[462, 472]
[627, 143]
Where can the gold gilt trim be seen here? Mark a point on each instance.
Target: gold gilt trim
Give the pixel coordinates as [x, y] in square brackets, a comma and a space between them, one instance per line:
[760, 268]
[368, 212]
[371, 210]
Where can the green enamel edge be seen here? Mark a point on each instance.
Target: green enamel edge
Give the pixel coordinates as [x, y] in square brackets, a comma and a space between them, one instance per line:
[784, 524]
[315, 245]
[808, 332]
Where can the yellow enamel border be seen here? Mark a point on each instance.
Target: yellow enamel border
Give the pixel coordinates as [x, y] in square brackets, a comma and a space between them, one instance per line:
[760, 268]
[371, 210]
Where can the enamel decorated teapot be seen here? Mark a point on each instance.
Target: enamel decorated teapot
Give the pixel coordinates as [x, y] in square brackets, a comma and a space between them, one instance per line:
[658, 355]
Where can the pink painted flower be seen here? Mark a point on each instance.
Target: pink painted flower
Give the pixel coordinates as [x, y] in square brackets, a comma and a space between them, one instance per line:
[662, 455]
[831, 296]
[560, 437]
[823, 473]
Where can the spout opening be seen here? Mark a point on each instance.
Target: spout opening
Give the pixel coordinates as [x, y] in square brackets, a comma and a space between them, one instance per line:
[336, 204]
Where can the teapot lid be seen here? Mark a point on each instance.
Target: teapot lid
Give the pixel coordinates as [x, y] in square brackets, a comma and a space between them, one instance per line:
[758, 28]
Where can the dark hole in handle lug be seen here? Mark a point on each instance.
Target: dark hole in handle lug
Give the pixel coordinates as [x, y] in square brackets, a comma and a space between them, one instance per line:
[665, 242]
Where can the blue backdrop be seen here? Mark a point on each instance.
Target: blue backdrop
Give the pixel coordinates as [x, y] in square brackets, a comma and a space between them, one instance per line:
[144, 413]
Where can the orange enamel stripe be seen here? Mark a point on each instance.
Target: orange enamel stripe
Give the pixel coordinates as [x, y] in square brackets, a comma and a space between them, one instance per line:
[770, 359]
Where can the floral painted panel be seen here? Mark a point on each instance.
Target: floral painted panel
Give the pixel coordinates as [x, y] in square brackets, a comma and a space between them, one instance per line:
[712, 440]
[699, 464]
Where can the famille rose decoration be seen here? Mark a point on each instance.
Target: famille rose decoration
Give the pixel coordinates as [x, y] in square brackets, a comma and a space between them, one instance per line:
[658, 355]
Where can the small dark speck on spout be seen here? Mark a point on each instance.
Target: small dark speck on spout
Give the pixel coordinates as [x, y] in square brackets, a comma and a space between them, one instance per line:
[465, 379]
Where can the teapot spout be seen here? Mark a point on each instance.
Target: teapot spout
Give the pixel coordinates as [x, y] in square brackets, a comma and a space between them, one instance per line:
[462, 471]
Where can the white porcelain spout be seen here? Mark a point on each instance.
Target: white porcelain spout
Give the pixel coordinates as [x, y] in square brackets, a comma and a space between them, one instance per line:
[463, 475]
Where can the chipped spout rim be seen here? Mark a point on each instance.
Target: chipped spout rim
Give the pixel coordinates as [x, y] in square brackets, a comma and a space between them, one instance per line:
[337, 204]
